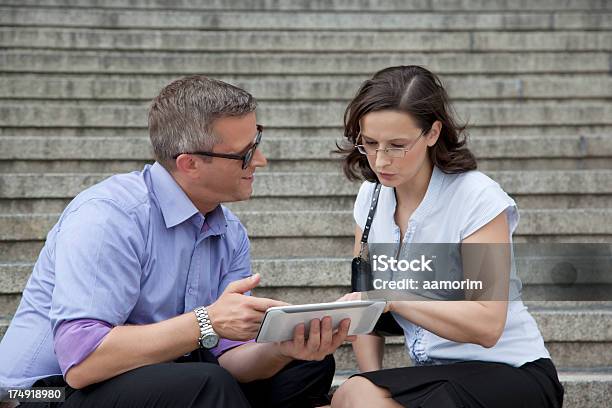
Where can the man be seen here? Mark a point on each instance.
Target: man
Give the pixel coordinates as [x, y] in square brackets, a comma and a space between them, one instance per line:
[145, 270]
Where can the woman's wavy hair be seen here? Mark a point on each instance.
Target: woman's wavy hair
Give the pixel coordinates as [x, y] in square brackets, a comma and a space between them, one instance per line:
[418, 92]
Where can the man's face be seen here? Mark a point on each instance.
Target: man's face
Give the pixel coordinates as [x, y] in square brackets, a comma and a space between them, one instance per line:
[217, 180]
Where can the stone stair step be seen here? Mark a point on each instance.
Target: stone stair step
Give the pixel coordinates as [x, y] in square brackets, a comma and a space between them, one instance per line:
[307, 41]
[551, 130]
[213, 63]
[301, 87]
[588, 350]
[295, 149]
[334, 272]
[314, 203]
[303, 166]
[296, 247]
[260, 224]
[583, 389]
[515, 182]
[283, 20]
[328, 5]
[299, 114]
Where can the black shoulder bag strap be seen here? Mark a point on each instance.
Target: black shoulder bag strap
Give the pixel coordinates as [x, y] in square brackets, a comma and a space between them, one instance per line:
[361, 271]
[361, 274]
[371, 212]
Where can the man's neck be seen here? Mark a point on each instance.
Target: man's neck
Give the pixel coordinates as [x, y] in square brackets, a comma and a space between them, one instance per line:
[203, 206]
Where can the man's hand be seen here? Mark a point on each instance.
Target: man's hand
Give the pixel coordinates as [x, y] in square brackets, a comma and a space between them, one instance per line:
[321, 340]
[235, 316]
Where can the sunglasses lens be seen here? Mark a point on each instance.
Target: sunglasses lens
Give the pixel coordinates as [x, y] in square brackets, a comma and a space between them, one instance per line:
[247, 159]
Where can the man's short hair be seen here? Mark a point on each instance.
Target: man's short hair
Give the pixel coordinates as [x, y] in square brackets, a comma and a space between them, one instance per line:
[181, 117]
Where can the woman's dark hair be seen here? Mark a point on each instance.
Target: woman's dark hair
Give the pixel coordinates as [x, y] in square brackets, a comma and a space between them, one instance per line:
[419, 93]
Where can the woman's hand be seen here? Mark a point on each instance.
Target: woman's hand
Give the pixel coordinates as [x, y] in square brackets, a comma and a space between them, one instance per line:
[358, 296]
[350, 296]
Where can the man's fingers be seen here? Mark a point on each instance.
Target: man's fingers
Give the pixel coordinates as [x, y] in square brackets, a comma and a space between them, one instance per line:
[243, 285]
[326, 333]
[298, 335]
[340, 336]
[314, 337]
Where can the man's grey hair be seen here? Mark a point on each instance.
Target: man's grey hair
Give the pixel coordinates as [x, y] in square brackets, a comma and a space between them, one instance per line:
[181, 117]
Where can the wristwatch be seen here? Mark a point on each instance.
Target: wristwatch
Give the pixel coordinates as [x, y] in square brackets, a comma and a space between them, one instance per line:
[208, 337]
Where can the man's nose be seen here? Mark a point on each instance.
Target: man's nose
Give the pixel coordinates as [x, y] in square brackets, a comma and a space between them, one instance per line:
[259, 159]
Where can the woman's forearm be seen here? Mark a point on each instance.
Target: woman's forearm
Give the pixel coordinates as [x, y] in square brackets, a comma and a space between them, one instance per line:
[461, 321]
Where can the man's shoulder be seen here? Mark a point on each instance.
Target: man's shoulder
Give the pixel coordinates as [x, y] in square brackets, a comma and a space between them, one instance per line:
[127, 193]
[234, 225]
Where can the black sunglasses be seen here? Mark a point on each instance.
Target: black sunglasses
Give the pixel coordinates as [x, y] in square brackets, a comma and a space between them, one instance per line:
[245, 158]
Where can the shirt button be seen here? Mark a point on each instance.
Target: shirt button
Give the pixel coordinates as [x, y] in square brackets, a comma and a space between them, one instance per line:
[191, 291]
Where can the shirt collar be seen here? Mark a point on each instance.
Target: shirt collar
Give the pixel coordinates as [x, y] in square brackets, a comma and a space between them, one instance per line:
[175, 206]
[216, 221]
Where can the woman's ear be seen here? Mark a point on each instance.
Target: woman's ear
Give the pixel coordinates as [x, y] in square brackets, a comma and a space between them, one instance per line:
[432, 136]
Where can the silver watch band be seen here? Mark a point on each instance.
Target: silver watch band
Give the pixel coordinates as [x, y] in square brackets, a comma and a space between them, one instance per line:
[203, 322]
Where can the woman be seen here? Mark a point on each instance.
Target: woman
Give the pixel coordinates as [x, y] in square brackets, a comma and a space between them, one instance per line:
[401, 133]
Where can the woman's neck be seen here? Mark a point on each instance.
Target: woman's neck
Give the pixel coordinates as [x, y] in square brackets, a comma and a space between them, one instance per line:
[411, 193]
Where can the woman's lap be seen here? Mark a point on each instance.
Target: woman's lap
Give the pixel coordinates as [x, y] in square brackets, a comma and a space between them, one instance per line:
[472, 384]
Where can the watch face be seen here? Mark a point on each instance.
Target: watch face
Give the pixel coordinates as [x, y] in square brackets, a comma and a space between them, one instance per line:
[209, 341]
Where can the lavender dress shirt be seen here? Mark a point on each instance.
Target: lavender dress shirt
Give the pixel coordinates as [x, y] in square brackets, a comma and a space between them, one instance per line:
[132, 249]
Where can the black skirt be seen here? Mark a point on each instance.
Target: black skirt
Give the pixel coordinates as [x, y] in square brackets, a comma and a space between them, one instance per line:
[476, 384]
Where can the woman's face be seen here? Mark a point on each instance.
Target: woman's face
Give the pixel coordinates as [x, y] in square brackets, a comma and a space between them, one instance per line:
[393, 129]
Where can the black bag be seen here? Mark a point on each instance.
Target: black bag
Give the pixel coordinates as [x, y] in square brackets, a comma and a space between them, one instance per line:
[361, 275]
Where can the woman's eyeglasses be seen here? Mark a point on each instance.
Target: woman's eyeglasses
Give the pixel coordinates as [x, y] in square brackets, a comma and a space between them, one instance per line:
[393, 152]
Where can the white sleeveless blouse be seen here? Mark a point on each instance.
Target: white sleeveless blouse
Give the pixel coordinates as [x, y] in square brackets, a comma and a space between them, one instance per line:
[455, 206]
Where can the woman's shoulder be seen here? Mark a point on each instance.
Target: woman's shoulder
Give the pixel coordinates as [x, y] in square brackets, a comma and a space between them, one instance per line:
[469, 181]
[471, 186]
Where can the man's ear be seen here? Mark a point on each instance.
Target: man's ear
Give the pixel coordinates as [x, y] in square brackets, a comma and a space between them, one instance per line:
[432, 136]
[186, 164]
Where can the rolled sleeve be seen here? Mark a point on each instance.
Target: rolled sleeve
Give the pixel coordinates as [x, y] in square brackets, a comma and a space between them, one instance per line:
[97, 265]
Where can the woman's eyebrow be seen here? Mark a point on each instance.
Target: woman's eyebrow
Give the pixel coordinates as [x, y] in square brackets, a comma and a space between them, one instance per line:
[396, 140]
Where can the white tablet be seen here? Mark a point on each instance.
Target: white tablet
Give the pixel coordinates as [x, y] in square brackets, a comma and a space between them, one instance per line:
[279, 322]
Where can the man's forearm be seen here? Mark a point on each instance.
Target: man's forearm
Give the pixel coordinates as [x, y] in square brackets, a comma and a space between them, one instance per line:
[253, 361]
[128, 347]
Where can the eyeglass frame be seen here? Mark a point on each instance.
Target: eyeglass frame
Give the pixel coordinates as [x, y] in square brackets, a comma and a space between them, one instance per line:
[246, 158]
[386, 149]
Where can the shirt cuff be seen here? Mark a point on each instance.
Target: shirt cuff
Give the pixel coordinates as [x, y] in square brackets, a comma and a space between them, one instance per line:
[225, 345]
[76, 339]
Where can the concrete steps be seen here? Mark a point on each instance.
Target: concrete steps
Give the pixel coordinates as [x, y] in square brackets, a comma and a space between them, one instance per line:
[270, 224]
[269, 63]
[282, 20]
[309, 184]
[308, 41]
[308, 114]
[531, 78]
[327, 5]
[297, 87]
